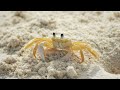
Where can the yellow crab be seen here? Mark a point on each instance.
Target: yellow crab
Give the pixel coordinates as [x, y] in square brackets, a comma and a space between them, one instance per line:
[44, 45]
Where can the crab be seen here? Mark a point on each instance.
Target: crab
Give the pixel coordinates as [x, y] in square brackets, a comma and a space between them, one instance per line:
[44, 45]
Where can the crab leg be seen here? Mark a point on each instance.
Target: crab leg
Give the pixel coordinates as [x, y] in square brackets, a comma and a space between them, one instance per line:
[35, 49]
[36, 40]
[79, 46]
[83, 46]
[30, 43]
[93, 52]
[82, 56]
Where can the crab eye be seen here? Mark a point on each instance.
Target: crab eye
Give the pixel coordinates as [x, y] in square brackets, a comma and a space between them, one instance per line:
[53, 34]
[62, 35]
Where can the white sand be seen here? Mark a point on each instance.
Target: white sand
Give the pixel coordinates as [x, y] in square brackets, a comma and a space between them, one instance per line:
[100, 29]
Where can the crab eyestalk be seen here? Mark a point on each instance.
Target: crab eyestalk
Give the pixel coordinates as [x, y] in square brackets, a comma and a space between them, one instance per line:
[53, 34]
[62, 35]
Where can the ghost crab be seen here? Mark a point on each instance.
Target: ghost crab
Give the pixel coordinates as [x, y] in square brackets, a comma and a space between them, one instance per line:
[53, 44]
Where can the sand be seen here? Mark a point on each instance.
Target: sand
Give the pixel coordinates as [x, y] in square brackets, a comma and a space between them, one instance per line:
[100, 29]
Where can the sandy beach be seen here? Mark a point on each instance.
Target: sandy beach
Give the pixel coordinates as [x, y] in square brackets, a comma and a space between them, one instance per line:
[101, 30]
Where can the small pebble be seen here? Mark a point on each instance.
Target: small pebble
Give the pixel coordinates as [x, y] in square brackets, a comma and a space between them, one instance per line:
[71, 73]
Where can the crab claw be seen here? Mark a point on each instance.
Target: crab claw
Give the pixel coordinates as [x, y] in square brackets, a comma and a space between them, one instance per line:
[41, 51]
